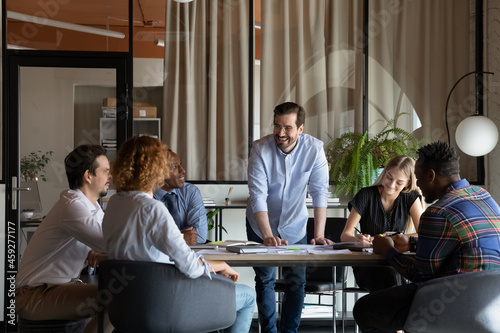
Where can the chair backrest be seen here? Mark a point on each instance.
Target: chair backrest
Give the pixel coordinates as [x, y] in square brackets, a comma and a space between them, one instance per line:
[155, 297]
[459, 303]
[333, 229]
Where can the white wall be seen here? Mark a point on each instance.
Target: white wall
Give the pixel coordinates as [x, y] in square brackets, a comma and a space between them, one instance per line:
[47, 118]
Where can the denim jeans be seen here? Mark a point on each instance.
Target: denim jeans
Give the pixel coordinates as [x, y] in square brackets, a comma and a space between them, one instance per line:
[293, 300]
[245, 304]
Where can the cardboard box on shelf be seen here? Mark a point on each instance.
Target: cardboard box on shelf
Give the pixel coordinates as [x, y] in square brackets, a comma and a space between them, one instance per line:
[109, 102]
[144, 110]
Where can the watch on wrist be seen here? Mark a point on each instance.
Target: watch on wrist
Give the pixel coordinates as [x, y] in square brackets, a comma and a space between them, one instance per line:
[413, 244]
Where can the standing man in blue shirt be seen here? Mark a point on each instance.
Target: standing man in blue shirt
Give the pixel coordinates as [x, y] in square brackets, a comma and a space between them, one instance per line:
[280, 168]
[184, 202]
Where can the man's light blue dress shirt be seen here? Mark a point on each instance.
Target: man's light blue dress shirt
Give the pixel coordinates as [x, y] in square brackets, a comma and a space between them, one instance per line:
[190, 209]
[278, 184]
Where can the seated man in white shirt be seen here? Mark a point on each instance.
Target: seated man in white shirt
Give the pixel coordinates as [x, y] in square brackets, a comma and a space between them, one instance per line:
[184, 202]
[46, 284]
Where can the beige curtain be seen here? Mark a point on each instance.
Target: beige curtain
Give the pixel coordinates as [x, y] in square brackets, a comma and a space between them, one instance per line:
[205, 114]
[311, 55]
[418, 50]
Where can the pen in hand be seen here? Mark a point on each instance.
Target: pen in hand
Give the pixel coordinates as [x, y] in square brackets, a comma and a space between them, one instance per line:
[365, 238]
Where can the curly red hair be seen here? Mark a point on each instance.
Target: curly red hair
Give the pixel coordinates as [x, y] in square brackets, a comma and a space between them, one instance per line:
[141, 164]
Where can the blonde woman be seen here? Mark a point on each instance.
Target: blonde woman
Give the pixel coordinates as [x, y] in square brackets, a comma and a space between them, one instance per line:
[392, 204]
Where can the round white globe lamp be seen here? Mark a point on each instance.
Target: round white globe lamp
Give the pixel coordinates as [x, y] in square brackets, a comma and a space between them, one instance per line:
[476, 135]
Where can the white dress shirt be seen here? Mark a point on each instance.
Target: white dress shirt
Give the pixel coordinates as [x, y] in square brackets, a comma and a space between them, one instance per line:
[57, 251]
[138, 227]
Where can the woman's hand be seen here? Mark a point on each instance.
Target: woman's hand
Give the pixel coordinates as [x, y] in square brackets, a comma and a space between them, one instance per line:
[364, 238]
[229, 272]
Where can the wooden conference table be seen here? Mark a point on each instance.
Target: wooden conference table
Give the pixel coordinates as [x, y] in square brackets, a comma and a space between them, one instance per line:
[364, 259]
[304, 258]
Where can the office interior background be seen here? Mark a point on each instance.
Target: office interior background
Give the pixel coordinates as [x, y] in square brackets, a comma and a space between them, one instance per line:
[214, 70]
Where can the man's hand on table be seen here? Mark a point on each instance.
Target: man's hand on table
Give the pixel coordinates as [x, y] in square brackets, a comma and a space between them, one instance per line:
[321, 241]
[401, 242]
[382, 244]
[190, 236]
[274, 241]
[93, 258]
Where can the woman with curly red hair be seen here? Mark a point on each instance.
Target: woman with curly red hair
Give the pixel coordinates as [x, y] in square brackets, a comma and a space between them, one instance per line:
[138, 227]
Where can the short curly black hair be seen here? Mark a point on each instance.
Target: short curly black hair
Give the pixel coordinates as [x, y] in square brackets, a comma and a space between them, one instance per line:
[440, 157]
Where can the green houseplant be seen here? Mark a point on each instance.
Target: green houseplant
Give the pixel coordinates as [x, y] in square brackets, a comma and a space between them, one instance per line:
[34, 163]
[354, 159]
[211, 219]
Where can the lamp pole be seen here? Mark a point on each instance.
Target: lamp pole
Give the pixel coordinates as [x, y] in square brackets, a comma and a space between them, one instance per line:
[479, 81]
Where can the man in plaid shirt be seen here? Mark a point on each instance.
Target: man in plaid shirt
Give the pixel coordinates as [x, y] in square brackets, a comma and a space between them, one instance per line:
[458, 233]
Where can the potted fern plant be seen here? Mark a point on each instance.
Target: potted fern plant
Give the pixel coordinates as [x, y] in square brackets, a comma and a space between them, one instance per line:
[354, 159]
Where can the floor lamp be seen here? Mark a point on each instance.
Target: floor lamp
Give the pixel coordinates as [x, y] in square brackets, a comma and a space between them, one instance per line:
[476, 135]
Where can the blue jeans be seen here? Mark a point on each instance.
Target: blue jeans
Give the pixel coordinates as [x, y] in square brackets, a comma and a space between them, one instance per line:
[245, 304]
[293, 301]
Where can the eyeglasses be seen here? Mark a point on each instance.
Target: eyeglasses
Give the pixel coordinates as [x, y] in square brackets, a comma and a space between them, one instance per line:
[287, 129]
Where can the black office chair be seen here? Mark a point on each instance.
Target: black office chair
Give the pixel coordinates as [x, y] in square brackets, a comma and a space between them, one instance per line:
[51, 326]
[319, 280]
[150, 297]
[458, 303]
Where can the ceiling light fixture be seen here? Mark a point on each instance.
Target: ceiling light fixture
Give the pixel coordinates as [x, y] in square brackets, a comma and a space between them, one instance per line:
[64, 25]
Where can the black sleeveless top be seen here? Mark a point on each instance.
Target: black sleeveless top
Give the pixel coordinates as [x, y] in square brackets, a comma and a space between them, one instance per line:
[374, 219]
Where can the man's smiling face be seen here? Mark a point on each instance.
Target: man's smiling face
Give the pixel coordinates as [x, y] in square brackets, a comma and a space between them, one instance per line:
[286, 132]
[177, 173]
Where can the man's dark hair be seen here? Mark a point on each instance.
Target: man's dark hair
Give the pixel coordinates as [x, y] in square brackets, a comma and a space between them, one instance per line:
[440, 157]
[81, 159]
[288, 108]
